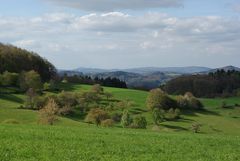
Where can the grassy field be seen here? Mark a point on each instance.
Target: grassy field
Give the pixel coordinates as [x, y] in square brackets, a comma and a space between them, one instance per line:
[87, 142]
[71, 139]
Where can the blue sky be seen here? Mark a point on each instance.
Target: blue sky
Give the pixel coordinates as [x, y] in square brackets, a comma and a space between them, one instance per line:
[125, 33]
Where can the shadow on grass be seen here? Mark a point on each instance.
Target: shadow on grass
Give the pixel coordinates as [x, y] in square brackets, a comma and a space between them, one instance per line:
[66, 87]
[176, 128]
[203, 112]
[76, 116]
[11, 97]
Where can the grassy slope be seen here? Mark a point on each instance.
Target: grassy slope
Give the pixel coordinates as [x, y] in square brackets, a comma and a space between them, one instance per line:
[86, 142]
[72, 140]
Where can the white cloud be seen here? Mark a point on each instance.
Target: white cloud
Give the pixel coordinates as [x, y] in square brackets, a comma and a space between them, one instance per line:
[122, 38]
[112, 5]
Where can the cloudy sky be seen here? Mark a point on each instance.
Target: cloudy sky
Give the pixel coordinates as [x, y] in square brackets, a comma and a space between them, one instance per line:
[125, 33]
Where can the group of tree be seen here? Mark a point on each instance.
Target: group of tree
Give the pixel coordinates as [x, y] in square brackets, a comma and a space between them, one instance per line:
[164, 107]
[108, 82]
[16, 60]
[25, 81]
[218, 84]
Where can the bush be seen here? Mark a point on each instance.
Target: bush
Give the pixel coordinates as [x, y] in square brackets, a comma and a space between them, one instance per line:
[182, 102]
[116, 117]
[89, 97]
[159, 99]
[47, 115]
[193, 102]
[96, 116]
[196, 127]
[66, 110]
[67, 99]
[46, 86]
[173, 114]
[158, 116]
[97, 88]
[139, 122]
[107, 123]
[108, 95]
[125, 104]
[126, 120]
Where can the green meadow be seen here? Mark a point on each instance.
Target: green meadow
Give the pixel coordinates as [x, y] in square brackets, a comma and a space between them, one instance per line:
[22, 138]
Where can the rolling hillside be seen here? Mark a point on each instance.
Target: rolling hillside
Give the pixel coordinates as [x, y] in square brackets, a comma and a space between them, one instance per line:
[22, 138]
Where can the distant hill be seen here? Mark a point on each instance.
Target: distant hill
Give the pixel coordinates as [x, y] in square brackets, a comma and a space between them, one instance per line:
[146, 77]
[226, 68]
[181, 70]
[147, 70]
[141, 81]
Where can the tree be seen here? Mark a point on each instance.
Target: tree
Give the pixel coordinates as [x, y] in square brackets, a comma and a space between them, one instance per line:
[158, 116]
[30, 100]
[159, 99]
[48, 114]
[139, 122]
[126, 120]
[30, 79]
[108, 95]
[9, 79]
[16, 60]
[96, 116]
[97, 88]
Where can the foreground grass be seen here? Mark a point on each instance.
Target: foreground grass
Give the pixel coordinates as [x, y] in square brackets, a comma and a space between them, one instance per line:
[87, 142]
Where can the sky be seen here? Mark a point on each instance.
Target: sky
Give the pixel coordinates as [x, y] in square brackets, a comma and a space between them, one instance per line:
[125, 33]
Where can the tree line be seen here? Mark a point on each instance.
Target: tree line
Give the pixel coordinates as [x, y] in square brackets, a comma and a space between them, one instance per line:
[108, 82]
[215, 84]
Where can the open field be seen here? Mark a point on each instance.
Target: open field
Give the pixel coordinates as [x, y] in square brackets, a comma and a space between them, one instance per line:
[21, 138]
[87, 142]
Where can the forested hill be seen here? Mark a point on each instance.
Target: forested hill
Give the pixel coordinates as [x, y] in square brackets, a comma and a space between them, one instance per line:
[13, 59]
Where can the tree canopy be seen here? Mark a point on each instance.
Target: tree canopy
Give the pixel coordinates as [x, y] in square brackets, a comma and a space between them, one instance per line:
[16, 60]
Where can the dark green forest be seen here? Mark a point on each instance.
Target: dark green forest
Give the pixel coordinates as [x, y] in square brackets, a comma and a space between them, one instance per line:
[218, 84]
[16, 60]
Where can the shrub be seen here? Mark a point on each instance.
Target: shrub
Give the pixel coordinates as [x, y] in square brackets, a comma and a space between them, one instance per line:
[46, 86]
[158, 116]
[96, 116]
[116, 117]
[139, 122]
[159, 99]
[125, 104]
[89, 97]
[126, 120]
[182, 102]
[196, 127]
[66, 110]
[108, 95]
[173, 114]
[193, 102]
[67, 99]
[97, 88]
[47, 115]
[107, 123]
